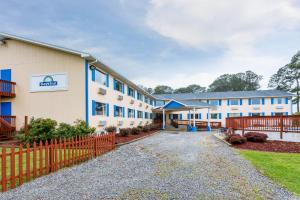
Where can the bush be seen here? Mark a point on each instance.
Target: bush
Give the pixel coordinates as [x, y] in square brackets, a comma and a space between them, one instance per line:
[46, 129]
[146, 128]
[111, 129]
[125, 131]
[236, 139]
[256, 137]
[135, 131]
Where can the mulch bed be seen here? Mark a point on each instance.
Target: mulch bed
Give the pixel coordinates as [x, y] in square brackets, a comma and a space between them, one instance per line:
[271, 146]
[122, 139]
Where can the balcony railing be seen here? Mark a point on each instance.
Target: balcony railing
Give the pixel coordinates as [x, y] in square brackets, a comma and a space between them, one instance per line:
[7, 88]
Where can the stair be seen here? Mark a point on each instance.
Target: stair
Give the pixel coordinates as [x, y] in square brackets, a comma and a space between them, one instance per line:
[7, 128]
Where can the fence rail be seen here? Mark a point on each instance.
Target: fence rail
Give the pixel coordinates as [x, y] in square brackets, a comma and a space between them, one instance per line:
[265, 123]
[7, 88]
[199, 124]
[21, 164]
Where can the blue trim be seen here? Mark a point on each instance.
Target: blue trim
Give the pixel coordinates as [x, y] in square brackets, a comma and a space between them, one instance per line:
[250, 114]
[228, 102]
[93, 74]
[241, 101]
[107, 80]
[86, 91]
[93, 107]
[123, 112]
[272, 100]
[107, 110]
[200, 116]
[263, 101]
[287, 113]
[272, 113]
[188, 116]
[249, 101]
[220, 102]
[241, 114]
[262, 114]
[286, 100]
[220, 115]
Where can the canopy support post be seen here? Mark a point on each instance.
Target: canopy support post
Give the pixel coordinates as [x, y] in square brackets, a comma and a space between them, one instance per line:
[164, 120]
[208, 128]
[194, 128]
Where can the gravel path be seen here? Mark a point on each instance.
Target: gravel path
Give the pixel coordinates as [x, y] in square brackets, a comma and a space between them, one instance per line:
[164, 166]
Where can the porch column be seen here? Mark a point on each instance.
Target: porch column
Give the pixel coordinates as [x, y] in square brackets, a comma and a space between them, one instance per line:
[194, 128]
[164, 120]
[208, 120]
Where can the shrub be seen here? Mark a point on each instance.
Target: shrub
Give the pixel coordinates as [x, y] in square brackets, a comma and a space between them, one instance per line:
[146, 128]
[82, 128]
[111, 129]
[236, 139]
[124, 131]
[135, 131]
[256, 137]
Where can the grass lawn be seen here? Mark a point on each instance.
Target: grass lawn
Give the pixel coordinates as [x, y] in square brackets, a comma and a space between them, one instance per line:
[283, 168]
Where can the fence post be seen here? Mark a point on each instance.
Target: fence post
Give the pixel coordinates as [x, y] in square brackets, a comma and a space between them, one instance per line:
[281, 127]
[3, 169]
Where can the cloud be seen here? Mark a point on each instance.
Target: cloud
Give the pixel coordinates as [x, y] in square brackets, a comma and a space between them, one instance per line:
[210, 23]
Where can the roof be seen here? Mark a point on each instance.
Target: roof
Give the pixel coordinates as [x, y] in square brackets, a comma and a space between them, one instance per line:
[224, 95]
[96, 62]
[184, 105]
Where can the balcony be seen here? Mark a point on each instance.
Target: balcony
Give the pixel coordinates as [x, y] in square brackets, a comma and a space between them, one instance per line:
[7, 88]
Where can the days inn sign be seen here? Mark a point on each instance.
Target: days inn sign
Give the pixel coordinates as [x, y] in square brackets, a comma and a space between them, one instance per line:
[49, 82]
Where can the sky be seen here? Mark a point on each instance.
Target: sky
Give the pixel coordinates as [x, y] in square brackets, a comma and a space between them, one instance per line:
[169, 42]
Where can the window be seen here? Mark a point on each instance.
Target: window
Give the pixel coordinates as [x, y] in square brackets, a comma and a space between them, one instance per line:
[146, 115]
[233, 102]
[118, 111]
[233, 115]
[279, 114]
[214, 115]
[131, 92]
[139, 114]
[146, 100]
[100, 77]
[256, 114]
[214, 102]
[139, 96]
[118, 85]
[151, 116]
[196, 116]
[130, 113]
[100, 108]
[278, 100]
[256, 101]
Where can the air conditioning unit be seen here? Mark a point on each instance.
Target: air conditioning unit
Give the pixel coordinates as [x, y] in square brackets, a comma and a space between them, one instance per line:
[120, 123]
[279, 107]
[102, 91]
[120, 97]
[102, 123]
[132, 123]
[140, 104]
[234, 108]
[147, 106]
[131, 101]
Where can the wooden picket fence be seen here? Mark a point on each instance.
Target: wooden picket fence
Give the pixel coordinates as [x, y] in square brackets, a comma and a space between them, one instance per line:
[21, 164]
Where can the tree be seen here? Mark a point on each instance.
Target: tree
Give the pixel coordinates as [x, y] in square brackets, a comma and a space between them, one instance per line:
[163, 89]
[149, 90]
[287, 78]
[194, 88]
[236, 82]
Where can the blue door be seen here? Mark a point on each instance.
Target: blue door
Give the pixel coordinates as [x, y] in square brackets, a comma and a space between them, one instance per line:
[6, 75]
[6, 108]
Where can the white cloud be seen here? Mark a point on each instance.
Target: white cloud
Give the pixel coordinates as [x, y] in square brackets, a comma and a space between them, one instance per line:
[212, 23]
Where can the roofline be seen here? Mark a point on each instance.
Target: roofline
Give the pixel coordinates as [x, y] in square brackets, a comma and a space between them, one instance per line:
[84, 55]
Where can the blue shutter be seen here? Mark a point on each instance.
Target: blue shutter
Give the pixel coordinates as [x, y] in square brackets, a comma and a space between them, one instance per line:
[5, 74]
[249, 102]
[188, 116]
[115, 84]
[227, 114]
[123, 88]
[263, 101]
[115, 110]
[272, 100]
[220, 115]
[180, 116]
[272, 113]
[93, 108]
[262, 114]
[228, 102]
[93, 74]
[286, 100]
[200, 116]
[123, 112]
[207, 101]
[249, 114]
[287, 113]
[128, 109]
[241, 101]
[241, 114]
[107, 110]
[107, 80]
[220, 102]
[206, 115]
[134, 113]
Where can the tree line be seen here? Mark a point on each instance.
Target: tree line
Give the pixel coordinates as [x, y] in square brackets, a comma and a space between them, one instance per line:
[287, 78]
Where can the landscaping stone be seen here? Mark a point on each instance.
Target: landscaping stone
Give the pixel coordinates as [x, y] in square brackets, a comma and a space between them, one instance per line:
[163, 166]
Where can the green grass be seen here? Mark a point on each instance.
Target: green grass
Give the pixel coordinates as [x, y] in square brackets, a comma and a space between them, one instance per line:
[283, 168]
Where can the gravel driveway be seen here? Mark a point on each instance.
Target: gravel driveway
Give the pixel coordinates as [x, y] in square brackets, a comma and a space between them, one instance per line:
[164, 166]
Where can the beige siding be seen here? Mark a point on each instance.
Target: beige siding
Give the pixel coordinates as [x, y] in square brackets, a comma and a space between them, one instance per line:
[26, 60]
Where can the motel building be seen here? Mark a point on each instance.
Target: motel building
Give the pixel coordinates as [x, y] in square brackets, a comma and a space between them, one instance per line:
[47, 81]
[42, 80]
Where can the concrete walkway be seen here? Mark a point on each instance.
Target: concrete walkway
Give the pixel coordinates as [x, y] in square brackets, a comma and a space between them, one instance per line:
[164, 166]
